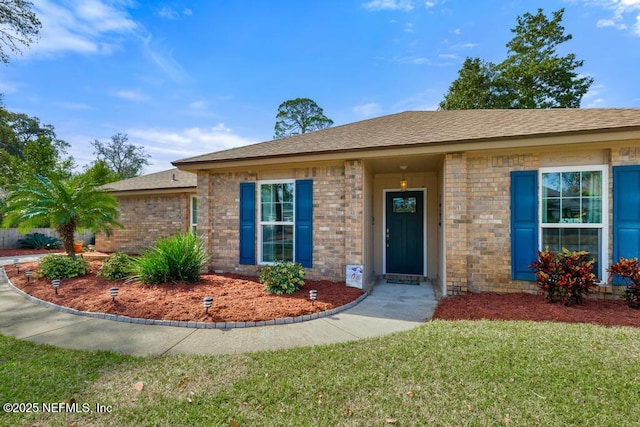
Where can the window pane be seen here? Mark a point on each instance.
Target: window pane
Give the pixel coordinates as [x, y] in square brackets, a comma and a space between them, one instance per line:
[404, 205]
[571, 184]
[572, 197]
[268, 212]
[194, 210]
[592, 184]
[551, 210]
[266, 193]
[574, 239]
[287, 193]
[592, 210]
[277, 243]
[571, 210]
[550, 185]
[287, 212]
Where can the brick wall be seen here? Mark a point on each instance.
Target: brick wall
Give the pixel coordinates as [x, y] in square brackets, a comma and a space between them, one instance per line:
[456, 222]
[477, 215]
[354, 206]
[477, 221]
[146, 219]
[218, 223]
[489, 230]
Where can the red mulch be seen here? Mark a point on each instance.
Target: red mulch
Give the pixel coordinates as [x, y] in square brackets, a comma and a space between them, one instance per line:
[521, 306]
[235, 298]
[238, 298]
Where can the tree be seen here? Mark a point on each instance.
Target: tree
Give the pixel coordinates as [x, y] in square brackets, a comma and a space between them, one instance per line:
[123, 158]
[474, 88]
[18, 26]
[533, 75]
[300, 115]
[28, 147]
[100, 173]
[66, 205]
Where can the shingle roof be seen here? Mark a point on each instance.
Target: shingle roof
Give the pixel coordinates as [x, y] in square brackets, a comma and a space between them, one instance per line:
[415, 128]
[165, 180]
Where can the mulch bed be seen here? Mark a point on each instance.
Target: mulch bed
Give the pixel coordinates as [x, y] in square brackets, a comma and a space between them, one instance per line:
[522, 306]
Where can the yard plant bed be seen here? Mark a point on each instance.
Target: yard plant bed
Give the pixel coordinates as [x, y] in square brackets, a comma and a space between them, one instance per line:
[522, 306]
[235, 298]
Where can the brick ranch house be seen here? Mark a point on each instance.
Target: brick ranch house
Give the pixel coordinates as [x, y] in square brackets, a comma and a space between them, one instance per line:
[151, 206]
[465, 198]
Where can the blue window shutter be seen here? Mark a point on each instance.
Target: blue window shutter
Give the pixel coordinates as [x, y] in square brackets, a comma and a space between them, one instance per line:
[626, 212]
[248, 223]
[524, 224]
[304, 222]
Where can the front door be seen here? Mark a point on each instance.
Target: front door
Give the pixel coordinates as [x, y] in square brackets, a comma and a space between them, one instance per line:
[404, 232]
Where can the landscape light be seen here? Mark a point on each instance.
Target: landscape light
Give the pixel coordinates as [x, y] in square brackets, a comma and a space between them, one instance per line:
[56, 284]
[207, 302]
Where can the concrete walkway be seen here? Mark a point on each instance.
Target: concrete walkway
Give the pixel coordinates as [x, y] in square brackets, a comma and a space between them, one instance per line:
[389, 308]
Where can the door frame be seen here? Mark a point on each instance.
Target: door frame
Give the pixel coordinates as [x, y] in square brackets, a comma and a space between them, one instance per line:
[384, 226]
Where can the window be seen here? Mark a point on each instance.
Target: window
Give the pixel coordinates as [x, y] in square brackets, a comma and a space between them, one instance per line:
[573, 211]
[194, 215]
[276, 216]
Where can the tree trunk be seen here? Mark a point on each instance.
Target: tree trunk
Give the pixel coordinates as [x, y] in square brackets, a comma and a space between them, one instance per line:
[67, 235]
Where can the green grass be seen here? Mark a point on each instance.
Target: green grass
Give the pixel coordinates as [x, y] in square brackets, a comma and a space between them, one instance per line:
[441, 374]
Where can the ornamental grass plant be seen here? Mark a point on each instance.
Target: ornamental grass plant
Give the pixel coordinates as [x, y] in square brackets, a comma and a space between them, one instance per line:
[175, 259]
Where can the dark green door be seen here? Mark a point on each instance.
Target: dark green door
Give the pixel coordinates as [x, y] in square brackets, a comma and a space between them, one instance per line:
[404, 232]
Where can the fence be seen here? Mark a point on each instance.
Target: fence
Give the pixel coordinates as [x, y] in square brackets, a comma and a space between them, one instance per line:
[9, 236]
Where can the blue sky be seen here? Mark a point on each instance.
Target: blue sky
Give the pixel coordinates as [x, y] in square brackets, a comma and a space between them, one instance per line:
[183, 78]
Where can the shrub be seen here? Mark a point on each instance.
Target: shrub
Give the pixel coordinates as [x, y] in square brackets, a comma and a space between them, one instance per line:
[282, 277]
[117, 266]
[176, 259]
[629, 270]
[63, 266]
[39, 241]
[566, 277]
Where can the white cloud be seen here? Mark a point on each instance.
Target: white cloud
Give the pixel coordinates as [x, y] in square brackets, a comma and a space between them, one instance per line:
[405, 5]
[368, 110]
[449, 56]
[623, 11]
[198, 105]
[610, 23]
[8, 86]
[413, 60]
[131, 95]
[422, 101]
[166, 146]
[81, 26]
[593, 98]
[163, 58]
[75, 106]
[169, 12]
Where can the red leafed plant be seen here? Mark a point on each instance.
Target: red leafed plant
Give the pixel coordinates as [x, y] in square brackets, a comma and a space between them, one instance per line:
[629, 270]
[566, 277]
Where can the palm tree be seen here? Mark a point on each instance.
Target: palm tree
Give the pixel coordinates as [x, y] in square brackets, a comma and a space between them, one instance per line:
[66, 205]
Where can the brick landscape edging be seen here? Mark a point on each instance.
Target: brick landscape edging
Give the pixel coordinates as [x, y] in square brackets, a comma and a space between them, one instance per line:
[180, 323]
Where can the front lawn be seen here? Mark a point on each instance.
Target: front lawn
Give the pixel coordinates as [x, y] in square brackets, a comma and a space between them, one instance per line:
[443, 373]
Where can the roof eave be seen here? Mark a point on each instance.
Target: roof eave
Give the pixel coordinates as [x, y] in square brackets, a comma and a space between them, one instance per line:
[439, 147]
